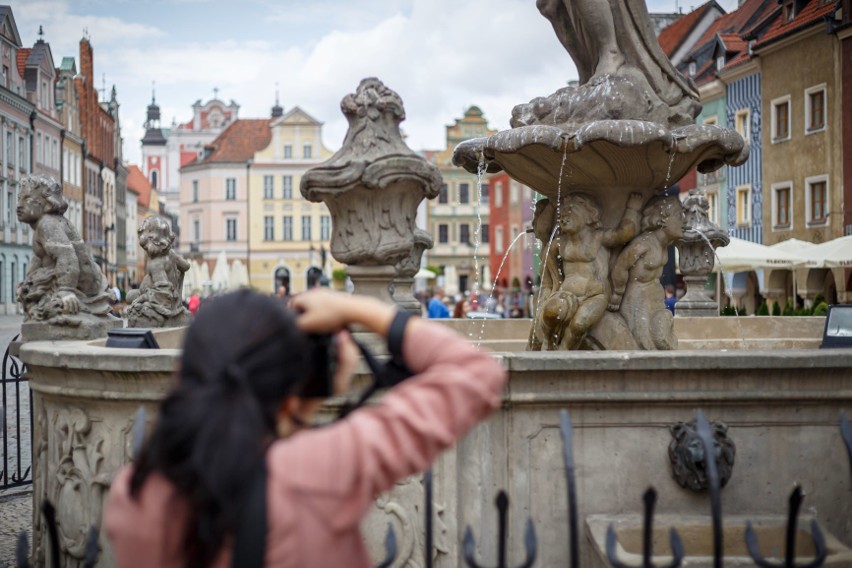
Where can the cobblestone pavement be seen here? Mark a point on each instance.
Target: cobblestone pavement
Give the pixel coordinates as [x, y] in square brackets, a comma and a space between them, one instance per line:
[16, 509]
[15, 504]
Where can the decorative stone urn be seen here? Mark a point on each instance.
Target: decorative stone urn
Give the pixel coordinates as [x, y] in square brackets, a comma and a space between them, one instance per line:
[372, 187]
[696, 251]
[405, 271]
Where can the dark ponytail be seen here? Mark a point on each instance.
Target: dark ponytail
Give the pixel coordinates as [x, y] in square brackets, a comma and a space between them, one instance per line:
[242, 355]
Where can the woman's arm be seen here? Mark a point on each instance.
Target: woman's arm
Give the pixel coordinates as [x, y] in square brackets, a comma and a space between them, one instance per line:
[346, 464]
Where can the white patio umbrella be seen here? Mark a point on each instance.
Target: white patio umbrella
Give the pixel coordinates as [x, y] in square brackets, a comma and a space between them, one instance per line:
[741, 255]
[238, 276]
[192, 279]
[835, 253]
[220, 273]
[425, 273]
[800, 248]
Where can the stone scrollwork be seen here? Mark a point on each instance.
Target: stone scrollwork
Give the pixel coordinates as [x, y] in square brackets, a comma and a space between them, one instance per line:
[403, 507]
[80, 481]
[688, 458]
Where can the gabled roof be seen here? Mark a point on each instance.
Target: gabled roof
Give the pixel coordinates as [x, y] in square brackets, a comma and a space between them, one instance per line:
[812, 13]
[672, 37]
[6, 15]
[295, 115]
[139, 184]
[239, 141]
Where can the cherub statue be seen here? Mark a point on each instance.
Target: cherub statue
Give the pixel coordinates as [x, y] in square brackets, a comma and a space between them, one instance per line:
[63, 287]
[157, 302]
[578, 300]
[636, 291]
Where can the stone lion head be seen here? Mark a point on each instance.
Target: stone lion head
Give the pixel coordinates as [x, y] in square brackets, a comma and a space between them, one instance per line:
[688, 459]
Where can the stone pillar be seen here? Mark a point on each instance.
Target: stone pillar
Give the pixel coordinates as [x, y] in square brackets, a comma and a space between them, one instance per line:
[372, 187]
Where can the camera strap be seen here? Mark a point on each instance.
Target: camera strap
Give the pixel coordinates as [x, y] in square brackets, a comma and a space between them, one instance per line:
[250, 542]
[389, 373]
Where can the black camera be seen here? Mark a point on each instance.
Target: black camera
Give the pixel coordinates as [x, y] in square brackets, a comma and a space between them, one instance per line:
[322, 365]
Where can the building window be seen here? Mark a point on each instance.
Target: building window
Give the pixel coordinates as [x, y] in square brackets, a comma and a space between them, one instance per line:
[444, 196]
[288, 151]
[306, 227]
[287, 187]
[443, 233]
[230, 189]
[788, 11]
[230, 229]
[22, 154]
[498, 239]
[483, 193]
[692, 68]
[720, 63]
[464, 233]
[483, 234]
[744, 205]
[498, 194]
[781, 203]
[741, 123]
[464, 193]
[781, 119]
[713, 211]
[816, 200]
[268, 228]
[514, 192]
[154, 178]
[195, 191]
[287, 222]
[306, 151]
[267, 187]
[325, 228]
[815, 109]
[9, 150]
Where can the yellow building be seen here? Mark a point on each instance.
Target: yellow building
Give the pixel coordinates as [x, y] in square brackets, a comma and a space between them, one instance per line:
[459, 217]
[288, 238]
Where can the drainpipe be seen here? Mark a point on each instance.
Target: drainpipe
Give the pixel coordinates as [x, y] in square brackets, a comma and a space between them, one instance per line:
[33, 116]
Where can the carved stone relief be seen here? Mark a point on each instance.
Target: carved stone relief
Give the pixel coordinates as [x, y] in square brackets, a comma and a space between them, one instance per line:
[688, 458]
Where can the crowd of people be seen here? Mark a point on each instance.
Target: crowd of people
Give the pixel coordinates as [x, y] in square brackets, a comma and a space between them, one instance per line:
[440, 305]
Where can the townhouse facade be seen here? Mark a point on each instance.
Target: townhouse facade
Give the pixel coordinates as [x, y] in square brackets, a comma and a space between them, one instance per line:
[15, 162]
[289, 237]
[68, 105]
[459, 217]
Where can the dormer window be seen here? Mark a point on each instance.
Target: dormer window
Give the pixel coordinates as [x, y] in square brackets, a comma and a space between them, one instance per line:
[788, 11]
[692, 68]
[720, 62]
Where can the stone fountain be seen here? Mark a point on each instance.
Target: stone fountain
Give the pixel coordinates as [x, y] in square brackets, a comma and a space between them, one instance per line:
[601, 165]
[600, 154]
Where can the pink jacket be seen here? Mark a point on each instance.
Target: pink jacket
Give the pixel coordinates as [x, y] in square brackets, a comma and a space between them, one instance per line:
[322, 482]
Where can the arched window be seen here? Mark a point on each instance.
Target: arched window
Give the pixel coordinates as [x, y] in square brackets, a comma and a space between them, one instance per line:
[282, 278]
[154, 176]
[313, 276]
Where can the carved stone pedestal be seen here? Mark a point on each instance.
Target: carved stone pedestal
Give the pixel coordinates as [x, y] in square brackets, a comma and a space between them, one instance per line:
[403, 296]
[696, 302]
[373, 281]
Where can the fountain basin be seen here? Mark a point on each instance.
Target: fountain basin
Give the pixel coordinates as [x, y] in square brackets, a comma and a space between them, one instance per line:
[781, 407]
[696, 533]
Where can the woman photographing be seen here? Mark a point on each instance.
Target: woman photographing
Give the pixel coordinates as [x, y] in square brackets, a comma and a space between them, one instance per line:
[239, 408]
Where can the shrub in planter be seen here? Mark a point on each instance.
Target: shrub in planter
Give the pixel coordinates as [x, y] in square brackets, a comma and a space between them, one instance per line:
[763, 309]
[776, 309]
[821, 309]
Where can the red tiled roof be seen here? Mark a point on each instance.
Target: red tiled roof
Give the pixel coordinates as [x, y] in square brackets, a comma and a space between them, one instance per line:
[23, 54]
[733, 43]
[673, 35]
[813, 12]
[240, 141]
[139, 184]
[735, 21]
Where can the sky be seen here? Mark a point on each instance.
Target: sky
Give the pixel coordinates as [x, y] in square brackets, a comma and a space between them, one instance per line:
[440, 56]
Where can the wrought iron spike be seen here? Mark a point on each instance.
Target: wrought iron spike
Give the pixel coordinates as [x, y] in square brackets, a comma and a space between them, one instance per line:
[49, 512]
[704, 434]
[390, 548]
[469, 543]
[568, 454]
[90, 556]
[17, 478]
[22, 550]
[820, 552]
[846, 433]
[650, 499]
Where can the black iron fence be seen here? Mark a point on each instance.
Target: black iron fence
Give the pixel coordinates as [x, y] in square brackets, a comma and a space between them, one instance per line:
[502, 503]
[16, 423]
